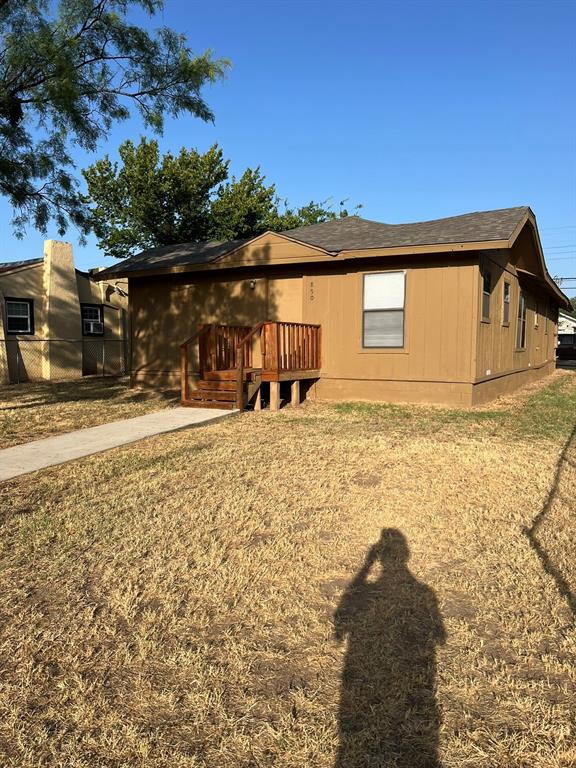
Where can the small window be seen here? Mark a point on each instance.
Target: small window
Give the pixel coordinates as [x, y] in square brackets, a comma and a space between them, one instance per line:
[383, 310]
[20, 316]
[506, 304]
[486, 292]
[521, 327]
[536, 315]
[566, 339]
[92, 320]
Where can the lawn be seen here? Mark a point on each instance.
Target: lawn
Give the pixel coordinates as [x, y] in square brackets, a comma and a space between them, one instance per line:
[335, 586]
[40, 409]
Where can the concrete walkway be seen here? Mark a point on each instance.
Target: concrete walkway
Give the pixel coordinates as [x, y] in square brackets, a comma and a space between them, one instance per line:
[21, 459]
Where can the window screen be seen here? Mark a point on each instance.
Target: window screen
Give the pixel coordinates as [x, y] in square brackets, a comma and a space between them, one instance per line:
[19, 318]
[521, 327]
[383, 310]
[506, 304]
[486, 291]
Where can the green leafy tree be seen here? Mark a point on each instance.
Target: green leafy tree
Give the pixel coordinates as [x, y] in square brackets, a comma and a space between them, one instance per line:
[144, 200]
[68, 72]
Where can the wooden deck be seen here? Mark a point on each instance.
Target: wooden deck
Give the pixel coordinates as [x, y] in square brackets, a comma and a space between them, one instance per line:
[233, 361]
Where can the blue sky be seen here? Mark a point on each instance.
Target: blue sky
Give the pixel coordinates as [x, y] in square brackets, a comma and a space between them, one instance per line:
[416, 110]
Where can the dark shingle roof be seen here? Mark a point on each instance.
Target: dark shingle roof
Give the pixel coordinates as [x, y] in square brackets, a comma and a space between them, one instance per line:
[165, 256]
[350, 233]
[354, 233]
[9, 265]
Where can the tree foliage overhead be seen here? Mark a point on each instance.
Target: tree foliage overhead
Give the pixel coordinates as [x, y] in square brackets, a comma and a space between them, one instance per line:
[68, 72]
[145, 200]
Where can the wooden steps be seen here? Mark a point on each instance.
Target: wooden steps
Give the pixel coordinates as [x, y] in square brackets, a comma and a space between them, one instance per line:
[224, 385]
[217, 389]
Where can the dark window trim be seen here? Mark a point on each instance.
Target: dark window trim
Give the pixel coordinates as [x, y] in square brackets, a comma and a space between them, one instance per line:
[30, 303]
[367, 311]
[521, 321]
[95, 306]
[506, 323]
[486, 274]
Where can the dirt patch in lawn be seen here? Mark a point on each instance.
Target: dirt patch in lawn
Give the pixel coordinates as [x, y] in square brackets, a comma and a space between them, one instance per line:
[248, 595]
[35, 410]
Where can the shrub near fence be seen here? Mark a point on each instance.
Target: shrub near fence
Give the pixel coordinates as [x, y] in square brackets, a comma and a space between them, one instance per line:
[27, 359]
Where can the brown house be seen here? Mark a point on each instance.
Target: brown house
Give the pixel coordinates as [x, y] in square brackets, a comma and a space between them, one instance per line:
[453, 311]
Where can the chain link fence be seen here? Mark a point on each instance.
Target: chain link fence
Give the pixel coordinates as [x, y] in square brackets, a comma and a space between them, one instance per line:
[41, 359]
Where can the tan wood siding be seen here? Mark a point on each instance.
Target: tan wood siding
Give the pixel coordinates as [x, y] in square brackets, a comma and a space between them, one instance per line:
[166, 311]
[438, 325]
[496, 343]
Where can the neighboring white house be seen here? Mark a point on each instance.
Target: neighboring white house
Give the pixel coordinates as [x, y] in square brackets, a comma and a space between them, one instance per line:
[566, 323]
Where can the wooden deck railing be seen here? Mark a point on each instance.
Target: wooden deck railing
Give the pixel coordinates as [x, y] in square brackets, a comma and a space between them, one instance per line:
[285, 348]
[244, 360]
[218, 346]
[290, 347]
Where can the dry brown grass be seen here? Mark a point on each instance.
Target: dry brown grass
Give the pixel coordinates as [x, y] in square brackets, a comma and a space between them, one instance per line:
[173, 603]
[39, 409]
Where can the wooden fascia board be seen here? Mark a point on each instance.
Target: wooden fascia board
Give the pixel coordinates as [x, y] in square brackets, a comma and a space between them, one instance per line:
[284, 237]
[550, 285]
[224, 261]
[529, 218]
[424, 249]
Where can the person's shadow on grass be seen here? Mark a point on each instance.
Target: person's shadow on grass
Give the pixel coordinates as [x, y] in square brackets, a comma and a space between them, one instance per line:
[388, 715]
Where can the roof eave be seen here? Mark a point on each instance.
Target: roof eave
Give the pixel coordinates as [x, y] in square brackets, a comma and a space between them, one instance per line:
[530, 218]
[20, 267]
[181, 268]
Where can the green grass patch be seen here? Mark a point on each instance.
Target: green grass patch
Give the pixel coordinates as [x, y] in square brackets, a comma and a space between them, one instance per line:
[548, 413]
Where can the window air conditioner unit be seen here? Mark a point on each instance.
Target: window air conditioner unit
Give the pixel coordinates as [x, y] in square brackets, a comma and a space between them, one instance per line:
[94, 327]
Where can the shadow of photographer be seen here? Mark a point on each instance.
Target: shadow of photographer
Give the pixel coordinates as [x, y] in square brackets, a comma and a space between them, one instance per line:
[388, 714]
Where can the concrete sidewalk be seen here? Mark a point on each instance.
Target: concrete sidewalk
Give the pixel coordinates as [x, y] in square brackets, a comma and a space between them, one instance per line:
[30, 457]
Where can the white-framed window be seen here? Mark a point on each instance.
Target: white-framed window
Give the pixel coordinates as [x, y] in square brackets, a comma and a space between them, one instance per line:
[506, 304]
[20, 316]
[92, 319]
[521, 327]
[383, 309]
